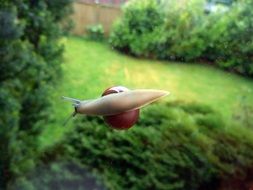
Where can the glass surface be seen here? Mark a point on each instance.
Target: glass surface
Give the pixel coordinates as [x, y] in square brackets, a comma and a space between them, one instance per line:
[126, 94]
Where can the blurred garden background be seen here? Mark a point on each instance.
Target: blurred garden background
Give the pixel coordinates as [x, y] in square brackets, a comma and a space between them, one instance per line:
[198, 138]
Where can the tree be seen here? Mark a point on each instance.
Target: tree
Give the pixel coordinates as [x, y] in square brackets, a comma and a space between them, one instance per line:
[30, 57]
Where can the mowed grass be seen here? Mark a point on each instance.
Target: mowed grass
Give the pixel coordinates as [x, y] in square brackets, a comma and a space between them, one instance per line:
[90, 67]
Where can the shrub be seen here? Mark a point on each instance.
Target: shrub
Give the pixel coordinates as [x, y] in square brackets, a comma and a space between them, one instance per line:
[139, 30]
[235, 44]
[95, 32]
[30, 57]
[174, 146]
[185, 29]
[180, 30]
[148, 29]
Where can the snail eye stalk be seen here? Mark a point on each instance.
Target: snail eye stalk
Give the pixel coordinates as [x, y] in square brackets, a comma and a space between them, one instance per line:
[71, 116]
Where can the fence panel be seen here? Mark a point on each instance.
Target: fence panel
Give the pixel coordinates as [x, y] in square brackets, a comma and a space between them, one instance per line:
[86, 14]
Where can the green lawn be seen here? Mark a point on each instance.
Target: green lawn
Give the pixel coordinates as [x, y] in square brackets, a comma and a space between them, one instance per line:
[91, 67]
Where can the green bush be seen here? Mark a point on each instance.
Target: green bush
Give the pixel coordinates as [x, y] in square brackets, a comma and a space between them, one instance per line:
[183, 31]
[139, 31]
[95, 32]
[30, 63]
[235, 44]
[174, 146]
[161, 30]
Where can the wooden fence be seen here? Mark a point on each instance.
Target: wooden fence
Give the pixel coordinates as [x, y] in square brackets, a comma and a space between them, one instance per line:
[86, 14]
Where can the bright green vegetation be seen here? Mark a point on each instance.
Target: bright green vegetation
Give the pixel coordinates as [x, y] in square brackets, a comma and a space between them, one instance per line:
[91, 67]
[175, 146]
[30, 59]
[168, 30]
[187, 141]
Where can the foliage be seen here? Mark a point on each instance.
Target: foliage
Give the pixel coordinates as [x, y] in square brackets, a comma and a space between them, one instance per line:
[185, 30]
[30, 58]
[182, 31]
[174, 146]
[95, 32]
[140, 29]
[235, 44]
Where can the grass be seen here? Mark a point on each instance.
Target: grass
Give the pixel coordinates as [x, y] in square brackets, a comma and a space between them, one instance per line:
[91, 67]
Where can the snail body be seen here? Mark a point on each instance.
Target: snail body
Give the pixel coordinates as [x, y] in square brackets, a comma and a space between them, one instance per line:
[117, 101]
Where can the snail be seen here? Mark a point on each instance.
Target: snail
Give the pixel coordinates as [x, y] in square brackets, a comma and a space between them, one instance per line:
[118, 105]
